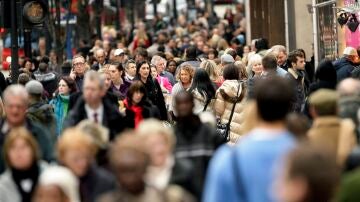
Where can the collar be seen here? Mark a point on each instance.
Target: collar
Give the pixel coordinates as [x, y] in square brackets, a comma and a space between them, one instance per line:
[99, 110]
[294, 73]
[326, 121]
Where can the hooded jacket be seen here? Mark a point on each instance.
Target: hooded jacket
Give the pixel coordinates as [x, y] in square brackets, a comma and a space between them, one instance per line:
[223, 106]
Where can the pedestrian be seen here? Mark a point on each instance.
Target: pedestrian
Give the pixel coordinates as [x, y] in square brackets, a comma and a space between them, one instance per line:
[21, 153]
[16, 100]
[129, 161]
[191, 57]
[297, 77]
[39, 111]
[210, 67]
[229, 102]
[328, 131]
[237, 173]
[60, 102]
[164, 82]
[130, 70]
[94, 106]
[171, 67]
[255, 67]
[57, 184]
[203, 91]
[137, 105]
[119, 85]
[304, 179]
[100, 56]
[184, 77]
[48, 79]
[153, 89]
[196, 142]
[160, 64]
[78, 70]
[346, 64]
[77, 151]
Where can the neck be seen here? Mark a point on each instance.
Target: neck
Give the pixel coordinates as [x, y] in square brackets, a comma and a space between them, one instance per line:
[143, 79]
[118, 82]
[94, 105]
[186, 85]
[276, 125]
[14, 125]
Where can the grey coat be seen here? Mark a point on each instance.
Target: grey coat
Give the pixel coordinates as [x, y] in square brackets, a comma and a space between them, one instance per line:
[8, 189]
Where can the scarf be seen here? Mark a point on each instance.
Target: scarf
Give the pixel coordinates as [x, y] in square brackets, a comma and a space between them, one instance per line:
[137, 111]
[26, 181]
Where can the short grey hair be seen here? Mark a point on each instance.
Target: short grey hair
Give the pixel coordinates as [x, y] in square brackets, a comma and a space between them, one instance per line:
[156, 59]
[278, 48]
[92, 75]
[16, 90]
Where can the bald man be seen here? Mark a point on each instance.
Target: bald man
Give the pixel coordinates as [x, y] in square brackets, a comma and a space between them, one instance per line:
[349, 103]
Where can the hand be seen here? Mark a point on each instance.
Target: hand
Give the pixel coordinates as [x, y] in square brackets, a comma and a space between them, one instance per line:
[72, 74]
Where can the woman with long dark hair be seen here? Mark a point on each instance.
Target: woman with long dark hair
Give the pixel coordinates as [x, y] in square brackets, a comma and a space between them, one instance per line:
[137, 105]
[153, 89]
[203, 91]
[60, 102]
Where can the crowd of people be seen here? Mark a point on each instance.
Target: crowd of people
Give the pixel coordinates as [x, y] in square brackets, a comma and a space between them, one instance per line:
[187, 113]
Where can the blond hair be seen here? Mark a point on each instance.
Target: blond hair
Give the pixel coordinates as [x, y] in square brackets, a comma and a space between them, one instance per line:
[74, 138]
[151, 127]
[22, 133]
[188, 68]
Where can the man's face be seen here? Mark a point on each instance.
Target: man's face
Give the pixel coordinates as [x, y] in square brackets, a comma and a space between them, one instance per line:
[15, 109]
[100, 57]
[131, 70]
[160, 66]
[281, 58]
[79, 66]
[92, 92]
[184, 105]
[130, 171]
[300, 63]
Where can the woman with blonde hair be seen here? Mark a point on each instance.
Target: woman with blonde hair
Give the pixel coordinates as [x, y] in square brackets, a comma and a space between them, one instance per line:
[184, 76]
[210, 67]
[255, 67]
[22, 157]
[76, 150]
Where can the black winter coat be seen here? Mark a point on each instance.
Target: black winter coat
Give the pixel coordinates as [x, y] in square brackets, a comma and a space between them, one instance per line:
[112, 119]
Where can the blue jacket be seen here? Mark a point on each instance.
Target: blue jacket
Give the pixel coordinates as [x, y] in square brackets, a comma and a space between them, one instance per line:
[245, 173]
[343, 68]
[58, 103]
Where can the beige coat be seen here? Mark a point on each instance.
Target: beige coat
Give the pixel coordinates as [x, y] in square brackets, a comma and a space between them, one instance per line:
[222, 108]
[335, 135]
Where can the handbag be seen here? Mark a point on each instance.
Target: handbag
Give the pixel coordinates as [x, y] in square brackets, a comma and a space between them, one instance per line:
[223, 129]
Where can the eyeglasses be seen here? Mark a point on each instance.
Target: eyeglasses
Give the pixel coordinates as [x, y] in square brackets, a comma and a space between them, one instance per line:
[78, 64]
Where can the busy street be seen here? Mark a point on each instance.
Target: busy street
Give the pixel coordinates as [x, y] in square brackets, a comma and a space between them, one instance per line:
[179, 101]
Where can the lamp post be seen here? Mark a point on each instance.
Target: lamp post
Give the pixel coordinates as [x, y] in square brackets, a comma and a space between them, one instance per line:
[14, 43]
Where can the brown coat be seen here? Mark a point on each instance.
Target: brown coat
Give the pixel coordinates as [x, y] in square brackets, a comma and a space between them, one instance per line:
[222, 108]
[334, 134]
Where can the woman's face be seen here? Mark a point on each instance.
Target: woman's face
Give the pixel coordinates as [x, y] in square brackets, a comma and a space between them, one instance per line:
[137, 97]
[211, 56]
[154, 73]
[63, 88]
[107, 80]
[246, 50]
[144, 71]
[257, 68]
[77, 160]
[28, 65]
[131, 70]
[159, 149]
[185, 77]
[21, 156]
[172, 67]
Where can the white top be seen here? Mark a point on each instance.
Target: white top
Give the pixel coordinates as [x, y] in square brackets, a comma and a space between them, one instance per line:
[91, 112]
